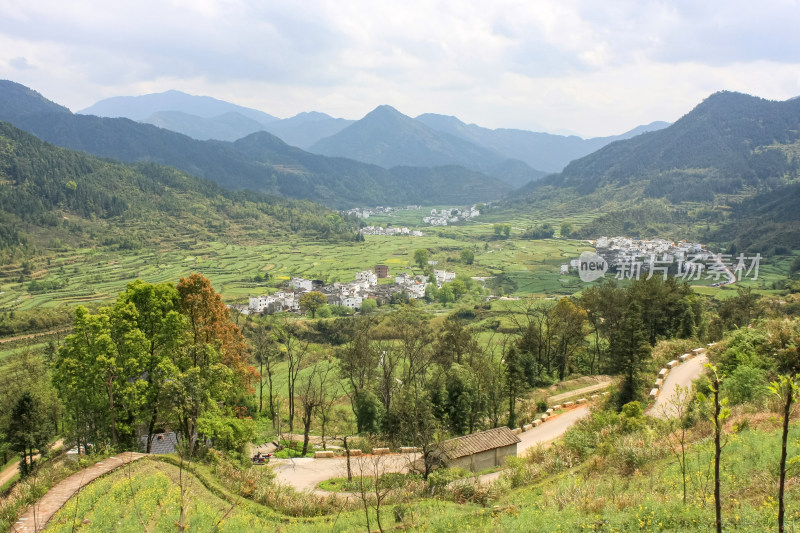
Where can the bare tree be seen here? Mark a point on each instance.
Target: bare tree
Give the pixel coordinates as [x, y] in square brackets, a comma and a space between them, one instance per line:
[287, 335]
[718, 417]
[372, 488]
[267, 355]
[785, 388]
[312, 395]
[675, 411]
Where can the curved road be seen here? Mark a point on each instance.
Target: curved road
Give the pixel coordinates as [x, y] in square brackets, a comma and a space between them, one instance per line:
[682, 375]
[306, 473]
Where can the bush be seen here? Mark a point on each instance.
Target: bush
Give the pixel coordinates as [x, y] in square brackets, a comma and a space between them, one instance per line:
[442, 477]
[745, 385]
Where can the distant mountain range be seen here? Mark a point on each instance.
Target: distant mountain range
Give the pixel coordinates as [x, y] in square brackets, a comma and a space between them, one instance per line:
[727, 171]
[544, 151]
[384, 137]
[260, 162]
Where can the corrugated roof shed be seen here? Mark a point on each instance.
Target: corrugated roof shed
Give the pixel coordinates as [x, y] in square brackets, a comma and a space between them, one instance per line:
[479, 442]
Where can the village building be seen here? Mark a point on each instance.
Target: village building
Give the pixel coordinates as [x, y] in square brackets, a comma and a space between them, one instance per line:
[366, 275]
[301, 284]
[481, 450]
[443, 276]
[382, 271]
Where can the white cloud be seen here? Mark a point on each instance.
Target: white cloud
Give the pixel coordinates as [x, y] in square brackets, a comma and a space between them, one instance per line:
[597, 68]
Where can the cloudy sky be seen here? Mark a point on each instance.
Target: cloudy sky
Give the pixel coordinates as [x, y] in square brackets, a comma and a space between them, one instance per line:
[595, 68]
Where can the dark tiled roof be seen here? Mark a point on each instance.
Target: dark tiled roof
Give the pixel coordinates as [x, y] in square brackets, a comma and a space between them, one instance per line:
[162, 442]
[479, 442]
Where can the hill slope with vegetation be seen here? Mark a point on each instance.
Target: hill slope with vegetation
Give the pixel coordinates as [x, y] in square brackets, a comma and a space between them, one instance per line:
[53, 194]
[710, 170]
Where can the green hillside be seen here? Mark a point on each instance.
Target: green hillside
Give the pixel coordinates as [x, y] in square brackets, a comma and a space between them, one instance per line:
[52, 195]
[724, 169]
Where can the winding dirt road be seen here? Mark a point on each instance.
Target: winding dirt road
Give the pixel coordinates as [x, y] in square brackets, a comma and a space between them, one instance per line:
[681, 376]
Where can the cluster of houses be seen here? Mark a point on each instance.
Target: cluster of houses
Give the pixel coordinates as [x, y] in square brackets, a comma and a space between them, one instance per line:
[377, 230]
[366, 212]
[636, 256]
[444, 216]
[351, 294]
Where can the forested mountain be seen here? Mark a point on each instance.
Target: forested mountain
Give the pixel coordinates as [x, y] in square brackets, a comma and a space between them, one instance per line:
[142, 107]
[279, 170]
[728, 142]
[374, 185]
[52, 193]
[304, 129]
[544, 151]
[389, 138]
[729, 163]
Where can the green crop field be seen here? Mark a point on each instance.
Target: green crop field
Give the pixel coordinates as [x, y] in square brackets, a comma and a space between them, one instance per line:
[529, 267]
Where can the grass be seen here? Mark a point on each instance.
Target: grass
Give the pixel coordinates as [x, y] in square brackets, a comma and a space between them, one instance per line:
[555, 492]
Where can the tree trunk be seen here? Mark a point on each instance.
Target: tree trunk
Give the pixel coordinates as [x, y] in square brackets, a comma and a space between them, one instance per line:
[787, 409]
[150, 428]
[306, 429]
[717, 453]
[261, 387]
[347, 455]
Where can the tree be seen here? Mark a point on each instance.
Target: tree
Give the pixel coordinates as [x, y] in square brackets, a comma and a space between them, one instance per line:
[163, 327]
[718, 417]
[287, 335]
[566, 229]
[514, 382]
[675, 411]
[445, 294]
[267, 354]
[98, 375]
[421, 257]
[212, 370]
[566, 322]
[28, 430]
[785, 388]
[467, 257]
[630, 351]
[465, 403]
[312, 395]
[370, 305]
[313, 301]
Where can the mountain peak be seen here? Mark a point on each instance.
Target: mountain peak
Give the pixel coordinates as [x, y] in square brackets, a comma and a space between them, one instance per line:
[17, 99]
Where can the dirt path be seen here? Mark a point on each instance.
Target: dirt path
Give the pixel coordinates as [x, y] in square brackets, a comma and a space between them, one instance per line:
[13, 470]
[682, 375]
[306, 473]
[32, 335]
[37, 515]
[546, 433]
[8, 473]
[558, 398]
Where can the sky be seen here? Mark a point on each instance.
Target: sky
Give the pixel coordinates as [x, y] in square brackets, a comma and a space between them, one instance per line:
[590, 67]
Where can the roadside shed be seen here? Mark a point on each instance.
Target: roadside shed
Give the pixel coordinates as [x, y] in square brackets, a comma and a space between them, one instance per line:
[481, 450]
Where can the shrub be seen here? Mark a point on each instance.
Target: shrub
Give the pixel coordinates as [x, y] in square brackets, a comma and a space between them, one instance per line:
[745, 384]
[442, 477]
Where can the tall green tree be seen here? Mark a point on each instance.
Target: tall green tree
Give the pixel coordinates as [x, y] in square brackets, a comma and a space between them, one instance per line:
[421, 257]
[312, 301]
[629, 353]
[98, 375]
[163, 327]
[29, 430]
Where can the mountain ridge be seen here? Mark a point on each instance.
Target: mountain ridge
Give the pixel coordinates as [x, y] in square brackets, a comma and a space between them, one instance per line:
[341, 184]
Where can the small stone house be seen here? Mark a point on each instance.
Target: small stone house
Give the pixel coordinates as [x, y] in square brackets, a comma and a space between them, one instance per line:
[481, 450]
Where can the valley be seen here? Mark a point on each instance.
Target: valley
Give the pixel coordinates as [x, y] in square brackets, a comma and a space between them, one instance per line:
[129, 255]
